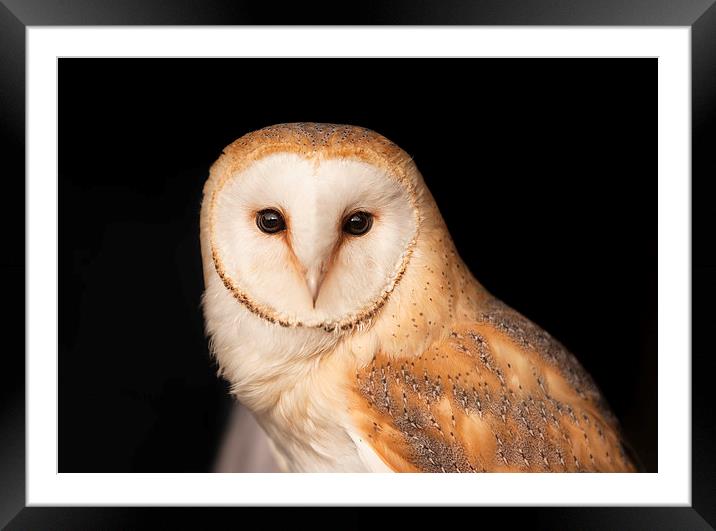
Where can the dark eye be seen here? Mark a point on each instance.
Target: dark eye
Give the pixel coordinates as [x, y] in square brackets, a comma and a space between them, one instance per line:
[270, 221]
[358, 223]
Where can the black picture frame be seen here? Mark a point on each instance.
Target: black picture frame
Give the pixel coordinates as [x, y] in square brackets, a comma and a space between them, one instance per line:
[699, 15]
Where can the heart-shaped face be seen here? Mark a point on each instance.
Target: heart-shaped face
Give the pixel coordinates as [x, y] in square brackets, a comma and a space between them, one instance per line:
[311, 238]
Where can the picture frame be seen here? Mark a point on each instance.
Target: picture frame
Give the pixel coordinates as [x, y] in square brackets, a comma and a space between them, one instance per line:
[16, 16]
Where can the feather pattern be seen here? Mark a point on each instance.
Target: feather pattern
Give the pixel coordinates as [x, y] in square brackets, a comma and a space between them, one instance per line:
[497, 395]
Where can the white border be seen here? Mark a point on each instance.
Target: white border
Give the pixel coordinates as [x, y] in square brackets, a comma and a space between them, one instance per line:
[671, 486]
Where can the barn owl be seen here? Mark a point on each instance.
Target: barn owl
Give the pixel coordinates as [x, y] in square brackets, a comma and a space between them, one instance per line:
[340, 313]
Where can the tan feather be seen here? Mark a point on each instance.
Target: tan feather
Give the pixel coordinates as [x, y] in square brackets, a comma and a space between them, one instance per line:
[497, 395]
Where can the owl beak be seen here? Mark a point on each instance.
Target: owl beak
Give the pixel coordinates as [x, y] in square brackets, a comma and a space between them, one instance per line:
[314, 279]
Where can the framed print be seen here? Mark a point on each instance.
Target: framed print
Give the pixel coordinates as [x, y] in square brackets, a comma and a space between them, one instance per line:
[482, 104]
[333, 249]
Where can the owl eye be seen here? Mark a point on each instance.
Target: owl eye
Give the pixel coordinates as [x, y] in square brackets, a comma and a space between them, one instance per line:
[358, 223]
[270, 221]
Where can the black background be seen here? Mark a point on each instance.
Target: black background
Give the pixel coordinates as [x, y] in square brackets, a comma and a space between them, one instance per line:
[545, 172]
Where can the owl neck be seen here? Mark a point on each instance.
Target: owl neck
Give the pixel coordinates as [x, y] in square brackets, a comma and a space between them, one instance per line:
[309, 421]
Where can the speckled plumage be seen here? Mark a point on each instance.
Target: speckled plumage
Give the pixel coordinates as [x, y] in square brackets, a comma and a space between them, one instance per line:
[498, 394]
[425, 371]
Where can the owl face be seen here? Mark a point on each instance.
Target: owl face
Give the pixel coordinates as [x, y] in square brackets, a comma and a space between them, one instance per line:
[312, 240]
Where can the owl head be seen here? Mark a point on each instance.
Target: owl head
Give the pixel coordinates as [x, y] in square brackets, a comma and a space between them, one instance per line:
[311, 225]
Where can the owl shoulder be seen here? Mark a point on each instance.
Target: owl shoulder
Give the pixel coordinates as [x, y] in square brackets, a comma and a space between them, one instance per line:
[497, 394]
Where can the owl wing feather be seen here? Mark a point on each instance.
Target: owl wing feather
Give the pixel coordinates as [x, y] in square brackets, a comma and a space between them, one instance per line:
[498, 394]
